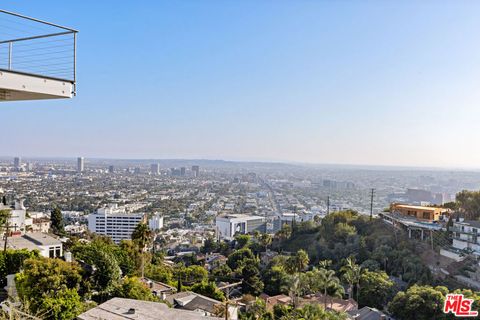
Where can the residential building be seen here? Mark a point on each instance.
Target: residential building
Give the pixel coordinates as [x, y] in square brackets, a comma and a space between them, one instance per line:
[80, 164]
[335, 304]
[367, 313]
[48, 246]
[127, 309]
[420, 212]
[115, 222]
[41, 225]
[285, 218]
[466, 235]
[201, 304]
[228, 225]
[272, 301]
[159, 289]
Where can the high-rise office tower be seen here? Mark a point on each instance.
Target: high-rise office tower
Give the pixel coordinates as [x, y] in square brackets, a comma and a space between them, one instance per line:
[17, 162]
[80, 164]
[111, 169]
[182, 171]
[155, 168]
[196, 171]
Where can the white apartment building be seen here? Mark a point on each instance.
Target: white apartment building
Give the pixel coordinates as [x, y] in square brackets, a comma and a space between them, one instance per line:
[466, 234]
[118, 222]
[115, 222]
[156, 221]
[228, 225]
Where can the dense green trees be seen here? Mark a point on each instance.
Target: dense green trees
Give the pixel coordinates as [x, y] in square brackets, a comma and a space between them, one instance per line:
[57, 223]
[276, 280]
[105, 272]
[11, 261]
[307, 312]
[298, 262]
[468, 202]
[133, 288]
[246, 266]
[65, 304]
[419, 302]
[208, 289]
[375, 289]
[51, 287]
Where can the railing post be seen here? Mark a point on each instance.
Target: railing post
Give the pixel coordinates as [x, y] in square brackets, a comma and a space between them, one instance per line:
[10, 48]
[74, 63]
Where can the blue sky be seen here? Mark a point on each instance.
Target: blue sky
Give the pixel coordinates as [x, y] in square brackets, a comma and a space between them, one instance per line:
[357, 82]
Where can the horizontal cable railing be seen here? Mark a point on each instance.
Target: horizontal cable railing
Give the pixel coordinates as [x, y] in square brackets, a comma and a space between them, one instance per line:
[36, 47]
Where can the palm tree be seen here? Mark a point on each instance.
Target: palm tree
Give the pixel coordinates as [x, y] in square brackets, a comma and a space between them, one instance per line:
[142, 235]
[351, 274]
[325, 264]
[298, 262]
[295, 288]
[265, 240]
[302, 260]
[335, 291]
[326, 280]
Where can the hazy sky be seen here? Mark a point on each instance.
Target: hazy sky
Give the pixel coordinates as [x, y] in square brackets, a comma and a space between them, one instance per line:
[358, 82]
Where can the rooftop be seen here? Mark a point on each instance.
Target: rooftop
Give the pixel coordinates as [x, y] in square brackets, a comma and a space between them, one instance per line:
[239, 216]
[473, 223]
[31, 241]
[367, 313]
[120, 309]
[425, 208]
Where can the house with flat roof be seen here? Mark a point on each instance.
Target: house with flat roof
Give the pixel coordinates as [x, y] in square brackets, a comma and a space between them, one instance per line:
[158, 288]
[466, 235]
[423, 213]
[231, 224]
[47, 245]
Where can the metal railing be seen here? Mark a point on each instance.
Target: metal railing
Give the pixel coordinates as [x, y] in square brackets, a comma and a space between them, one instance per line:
[36, 47]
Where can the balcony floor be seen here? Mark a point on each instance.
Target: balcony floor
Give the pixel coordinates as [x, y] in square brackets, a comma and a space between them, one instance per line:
[17, 86]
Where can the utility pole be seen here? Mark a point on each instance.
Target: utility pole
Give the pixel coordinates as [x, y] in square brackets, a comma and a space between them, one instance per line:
[431, 237]
[294, 221]
[371, 203]
[226, 309]
[7, 229]
[328, 205]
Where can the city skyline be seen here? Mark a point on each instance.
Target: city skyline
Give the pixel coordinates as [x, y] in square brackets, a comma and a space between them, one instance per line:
[288, 81]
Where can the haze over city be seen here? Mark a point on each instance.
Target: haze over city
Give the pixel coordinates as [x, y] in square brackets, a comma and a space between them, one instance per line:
[367, 82]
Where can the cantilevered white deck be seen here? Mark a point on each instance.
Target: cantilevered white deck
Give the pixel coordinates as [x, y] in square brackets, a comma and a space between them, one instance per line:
[15, 86]
[37, 59]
